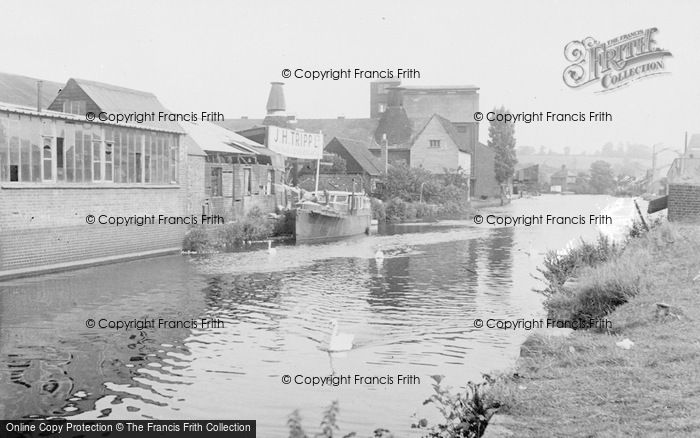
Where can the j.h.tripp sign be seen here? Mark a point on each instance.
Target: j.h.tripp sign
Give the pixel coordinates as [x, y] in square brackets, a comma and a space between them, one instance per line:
[614, 63]
[294, 143]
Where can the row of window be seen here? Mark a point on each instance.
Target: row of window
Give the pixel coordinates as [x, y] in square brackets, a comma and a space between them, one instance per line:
[47, 150]
[217, 182]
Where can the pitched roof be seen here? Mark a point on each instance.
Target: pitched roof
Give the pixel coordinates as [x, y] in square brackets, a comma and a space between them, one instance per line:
[450, 130]
[209, 137]
[22, 90]
[359, 151]
[119, 100]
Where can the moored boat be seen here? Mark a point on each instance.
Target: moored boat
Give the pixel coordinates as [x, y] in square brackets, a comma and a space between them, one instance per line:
[330, 215]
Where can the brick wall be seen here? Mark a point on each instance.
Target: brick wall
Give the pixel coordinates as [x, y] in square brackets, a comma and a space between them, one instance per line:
[684, 202]
[43, 226]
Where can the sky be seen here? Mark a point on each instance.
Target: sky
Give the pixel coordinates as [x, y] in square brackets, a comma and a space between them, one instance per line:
[221, 55]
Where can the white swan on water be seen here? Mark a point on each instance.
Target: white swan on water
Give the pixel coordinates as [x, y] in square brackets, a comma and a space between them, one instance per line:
[270, 249]
[379, 255]
[339, 341]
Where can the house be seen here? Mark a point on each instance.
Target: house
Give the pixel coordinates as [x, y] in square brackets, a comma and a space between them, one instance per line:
[527, 178]
[684, 189]
[563, 181]
[233, 174]
[76, 191]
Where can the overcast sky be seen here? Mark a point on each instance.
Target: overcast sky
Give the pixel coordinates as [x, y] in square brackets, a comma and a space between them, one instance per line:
[221, 56]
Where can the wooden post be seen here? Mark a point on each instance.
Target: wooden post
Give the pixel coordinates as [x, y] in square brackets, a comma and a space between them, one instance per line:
[644, 223]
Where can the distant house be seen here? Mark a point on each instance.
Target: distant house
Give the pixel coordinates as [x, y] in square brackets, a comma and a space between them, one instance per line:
[563, 181]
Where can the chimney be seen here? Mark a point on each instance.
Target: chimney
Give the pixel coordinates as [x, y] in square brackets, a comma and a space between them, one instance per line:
[275, 102]
[38, 96]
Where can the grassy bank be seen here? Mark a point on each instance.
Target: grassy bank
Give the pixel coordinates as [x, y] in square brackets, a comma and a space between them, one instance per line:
[586, 385]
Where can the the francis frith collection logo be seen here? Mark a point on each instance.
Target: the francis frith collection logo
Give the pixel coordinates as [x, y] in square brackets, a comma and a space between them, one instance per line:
[616, 62]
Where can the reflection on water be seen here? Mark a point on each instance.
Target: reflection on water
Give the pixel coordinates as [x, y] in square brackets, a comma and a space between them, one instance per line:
[411, 313]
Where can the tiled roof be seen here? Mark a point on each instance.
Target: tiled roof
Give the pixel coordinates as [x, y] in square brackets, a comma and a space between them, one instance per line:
[359, 151]
[22, 90]
[120, 100]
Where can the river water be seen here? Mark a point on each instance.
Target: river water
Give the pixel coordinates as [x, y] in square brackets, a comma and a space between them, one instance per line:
[411, 314]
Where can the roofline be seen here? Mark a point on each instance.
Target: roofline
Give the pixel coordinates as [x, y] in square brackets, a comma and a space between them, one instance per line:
[436, 88]
[18, 109]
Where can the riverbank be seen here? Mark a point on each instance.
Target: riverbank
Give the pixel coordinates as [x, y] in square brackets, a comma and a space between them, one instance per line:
[589, 384]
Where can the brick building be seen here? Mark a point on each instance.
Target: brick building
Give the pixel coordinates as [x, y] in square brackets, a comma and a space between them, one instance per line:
[684, 189]
[57, 169]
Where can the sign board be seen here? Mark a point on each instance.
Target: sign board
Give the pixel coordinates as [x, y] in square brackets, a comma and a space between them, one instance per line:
[295, 143]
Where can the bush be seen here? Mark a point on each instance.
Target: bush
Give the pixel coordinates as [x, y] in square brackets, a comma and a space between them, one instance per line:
[558, 268]
[395, 210]
[378, 209]
[196, 240]
[426, 211]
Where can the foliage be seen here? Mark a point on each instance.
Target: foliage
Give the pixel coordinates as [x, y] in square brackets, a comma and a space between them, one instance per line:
[378, 209]
[196, 240]
[502, 140]
[444, 195]
[256, 225]
[599, 290]
[407, 183]
[328, 426]
[465, 415]
[339, 165]
[602, 177]
[560, 267]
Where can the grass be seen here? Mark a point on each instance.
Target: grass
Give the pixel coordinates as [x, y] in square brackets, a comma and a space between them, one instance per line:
[584, 385]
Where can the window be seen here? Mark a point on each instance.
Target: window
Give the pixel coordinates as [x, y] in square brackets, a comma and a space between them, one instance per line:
[216, 181]
[382, 108]
[108, 161]
[270, 187]
[247, 182]
[434, 143]
[74, 107]
[60, 160]
[48, 160]
[96, 160]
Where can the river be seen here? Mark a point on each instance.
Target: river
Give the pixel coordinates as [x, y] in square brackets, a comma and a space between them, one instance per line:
[411, 314]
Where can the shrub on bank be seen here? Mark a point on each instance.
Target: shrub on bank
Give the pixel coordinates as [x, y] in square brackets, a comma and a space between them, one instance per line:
[255, 225]
[378, 209]
[196, 240]
[558, 268]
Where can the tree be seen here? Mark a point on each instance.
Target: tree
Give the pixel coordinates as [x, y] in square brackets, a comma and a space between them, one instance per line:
[502, 140]
[602, 178]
